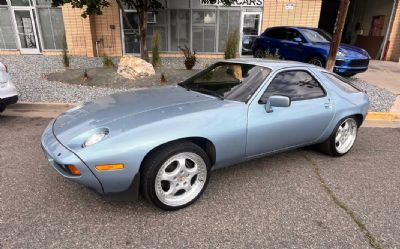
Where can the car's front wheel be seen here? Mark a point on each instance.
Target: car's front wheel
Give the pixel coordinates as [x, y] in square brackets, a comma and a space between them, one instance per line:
[175, 175]
[317, 61]
[342, 139]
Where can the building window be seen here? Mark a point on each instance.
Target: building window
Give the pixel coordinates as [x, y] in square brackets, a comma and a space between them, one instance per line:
[20, 2]
[131, 37]
[229, 21]
[51, 27]
[204, 30]
[7, 38]
[180, 29]
[160, 24]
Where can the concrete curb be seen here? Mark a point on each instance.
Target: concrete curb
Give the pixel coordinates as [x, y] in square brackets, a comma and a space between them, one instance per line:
[54, 107]
[383, 116]
[41, 105]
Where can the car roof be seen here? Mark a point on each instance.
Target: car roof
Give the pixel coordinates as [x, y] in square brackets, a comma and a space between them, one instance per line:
[272, 64]
[294, 27]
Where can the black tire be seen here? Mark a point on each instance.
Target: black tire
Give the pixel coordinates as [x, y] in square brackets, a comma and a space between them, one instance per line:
[259, 53]
[328, 146]
[2, 108]
[155, 160]
[316, 59]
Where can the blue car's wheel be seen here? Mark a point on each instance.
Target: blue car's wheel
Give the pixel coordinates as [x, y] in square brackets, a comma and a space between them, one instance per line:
[175, 175]
[317, 61]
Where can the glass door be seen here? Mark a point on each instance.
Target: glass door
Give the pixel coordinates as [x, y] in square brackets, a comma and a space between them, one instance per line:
[131, 43]
[26, 30]
[251, 24]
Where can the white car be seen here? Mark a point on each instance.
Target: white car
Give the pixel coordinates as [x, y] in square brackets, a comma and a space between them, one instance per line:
[8, 92]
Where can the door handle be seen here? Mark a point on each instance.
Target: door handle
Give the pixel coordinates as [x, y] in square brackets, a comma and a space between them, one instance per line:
[328, 105]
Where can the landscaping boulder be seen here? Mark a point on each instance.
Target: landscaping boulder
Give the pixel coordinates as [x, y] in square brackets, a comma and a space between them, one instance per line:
[133, 67]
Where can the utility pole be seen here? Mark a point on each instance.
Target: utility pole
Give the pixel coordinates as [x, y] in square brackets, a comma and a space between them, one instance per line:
[337, 33]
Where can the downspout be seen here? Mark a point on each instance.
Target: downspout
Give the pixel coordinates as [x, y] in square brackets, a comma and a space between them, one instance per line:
[389, 29]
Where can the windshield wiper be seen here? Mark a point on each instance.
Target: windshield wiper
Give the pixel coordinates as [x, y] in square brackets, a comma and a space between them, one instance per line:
[206, 91]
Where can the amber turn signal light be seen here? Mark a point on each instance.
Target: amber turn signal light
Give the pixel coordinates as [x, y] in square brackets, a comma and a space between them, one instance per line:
[74, 170]
[105, 167]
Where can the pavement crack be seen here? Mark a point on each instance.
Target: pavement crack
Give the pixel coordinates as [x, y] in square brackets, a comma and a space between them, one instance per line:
[371, 239]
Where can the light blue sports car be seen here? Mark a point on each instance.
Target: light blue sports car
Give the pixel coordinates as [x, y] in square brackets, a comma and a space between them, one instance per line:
[165, 141]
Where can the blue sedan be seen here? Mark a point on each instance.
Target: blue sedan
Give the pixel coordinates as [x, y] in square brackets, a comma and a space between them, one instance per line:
[166, 141]
[310, 45]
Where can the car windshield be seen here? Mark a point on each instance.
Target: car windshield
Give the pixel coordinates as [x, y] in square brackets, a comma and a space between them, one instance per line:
[233, 81]
[316, 35]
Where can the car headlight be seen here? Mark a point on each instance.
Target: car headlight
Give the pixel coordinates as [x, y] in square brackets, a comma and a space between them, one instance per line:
[341, 54]
[95, 138]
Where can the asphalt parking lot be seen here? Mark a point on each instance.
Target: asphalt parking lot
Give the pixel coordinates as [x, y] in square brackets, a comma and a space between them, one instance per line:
[298, 199]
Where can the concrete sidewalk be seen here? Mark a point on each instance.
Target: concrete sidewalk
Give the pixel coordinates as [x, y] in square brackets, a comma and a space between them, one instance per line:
[384, 74]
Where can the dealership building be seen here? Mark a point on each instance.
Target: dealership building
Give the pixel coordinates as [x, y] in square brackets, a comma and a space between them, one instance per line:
[34, 27]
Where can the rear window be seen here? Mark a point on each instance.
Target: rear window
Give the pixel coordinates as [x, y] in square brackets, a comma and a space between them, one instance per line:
[342, 83]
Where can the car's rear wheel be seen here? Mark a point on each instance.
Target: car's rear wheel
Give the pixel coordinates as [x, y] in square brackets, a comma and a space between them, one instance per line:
[259, 53]
[175, 175]
[317, 61]
[342, 138]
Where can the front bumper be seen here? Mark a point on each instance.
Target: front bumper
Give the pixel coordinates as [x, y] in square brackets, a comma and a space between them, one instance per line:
[59, 156]
[8, 101]
[351, 66]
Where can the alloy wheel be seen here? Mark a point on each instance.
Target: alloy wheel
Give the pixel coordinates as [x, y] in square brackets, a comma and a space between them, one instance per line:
[345, 135]
[316, 62]
[180, 179]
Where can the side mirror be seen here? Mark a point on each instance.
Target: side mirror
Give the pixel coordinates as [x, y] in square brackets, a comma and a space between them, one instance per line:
[277, 101]
[298, 40]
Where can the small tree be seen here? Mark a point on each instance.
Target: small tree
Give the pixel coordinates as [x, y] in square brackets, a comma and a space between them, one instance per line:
[155, 49]
[231, 45]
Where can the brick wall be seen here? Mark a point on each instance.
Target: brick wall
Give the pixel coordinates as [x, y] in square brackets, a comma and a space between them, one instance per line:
[82, 33]
[393, 52]
[78, 32]
[304, 13]
[108, 31]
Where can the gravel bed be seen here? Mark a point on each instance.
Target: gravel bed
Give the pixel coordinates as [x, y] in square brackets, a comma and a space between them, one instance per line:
[28, 74]
[381, 100]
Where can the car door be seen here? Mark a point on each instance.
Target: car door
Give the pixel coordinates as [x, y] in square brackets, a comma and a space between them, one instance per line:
[289, 48]
[273, 38]
[303, 122]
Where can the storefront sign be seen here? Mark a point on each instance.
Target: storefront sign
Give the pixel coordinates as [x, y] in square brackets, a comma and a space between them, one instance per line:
[237, 3]
[289, 6]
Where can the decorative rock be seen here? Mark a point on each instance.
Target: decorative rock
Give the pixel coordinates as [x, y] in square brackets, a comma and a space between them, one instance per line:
[133, 67]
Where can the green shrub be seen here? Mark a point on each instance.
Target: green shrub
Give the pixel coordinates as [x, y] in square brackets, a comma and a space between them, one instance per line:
[231, 45]
[190, 58]
[107, 61]
[273, 56]
[155, 49]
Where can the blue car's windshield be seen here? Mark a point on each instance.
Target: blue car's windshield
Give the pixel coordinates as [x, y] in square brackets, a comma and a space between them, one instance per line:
[231, 81]
[316, 35]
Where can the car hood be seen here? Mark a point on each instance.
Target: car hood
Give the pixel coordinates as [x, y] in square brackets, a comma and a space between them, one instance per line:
[350, 50]
[119, 107]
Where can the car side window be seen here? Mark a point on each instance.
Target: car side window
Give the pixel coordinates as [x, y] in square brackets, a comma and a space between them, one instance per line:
[291, 34]
[296, 84]
[275, 33]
